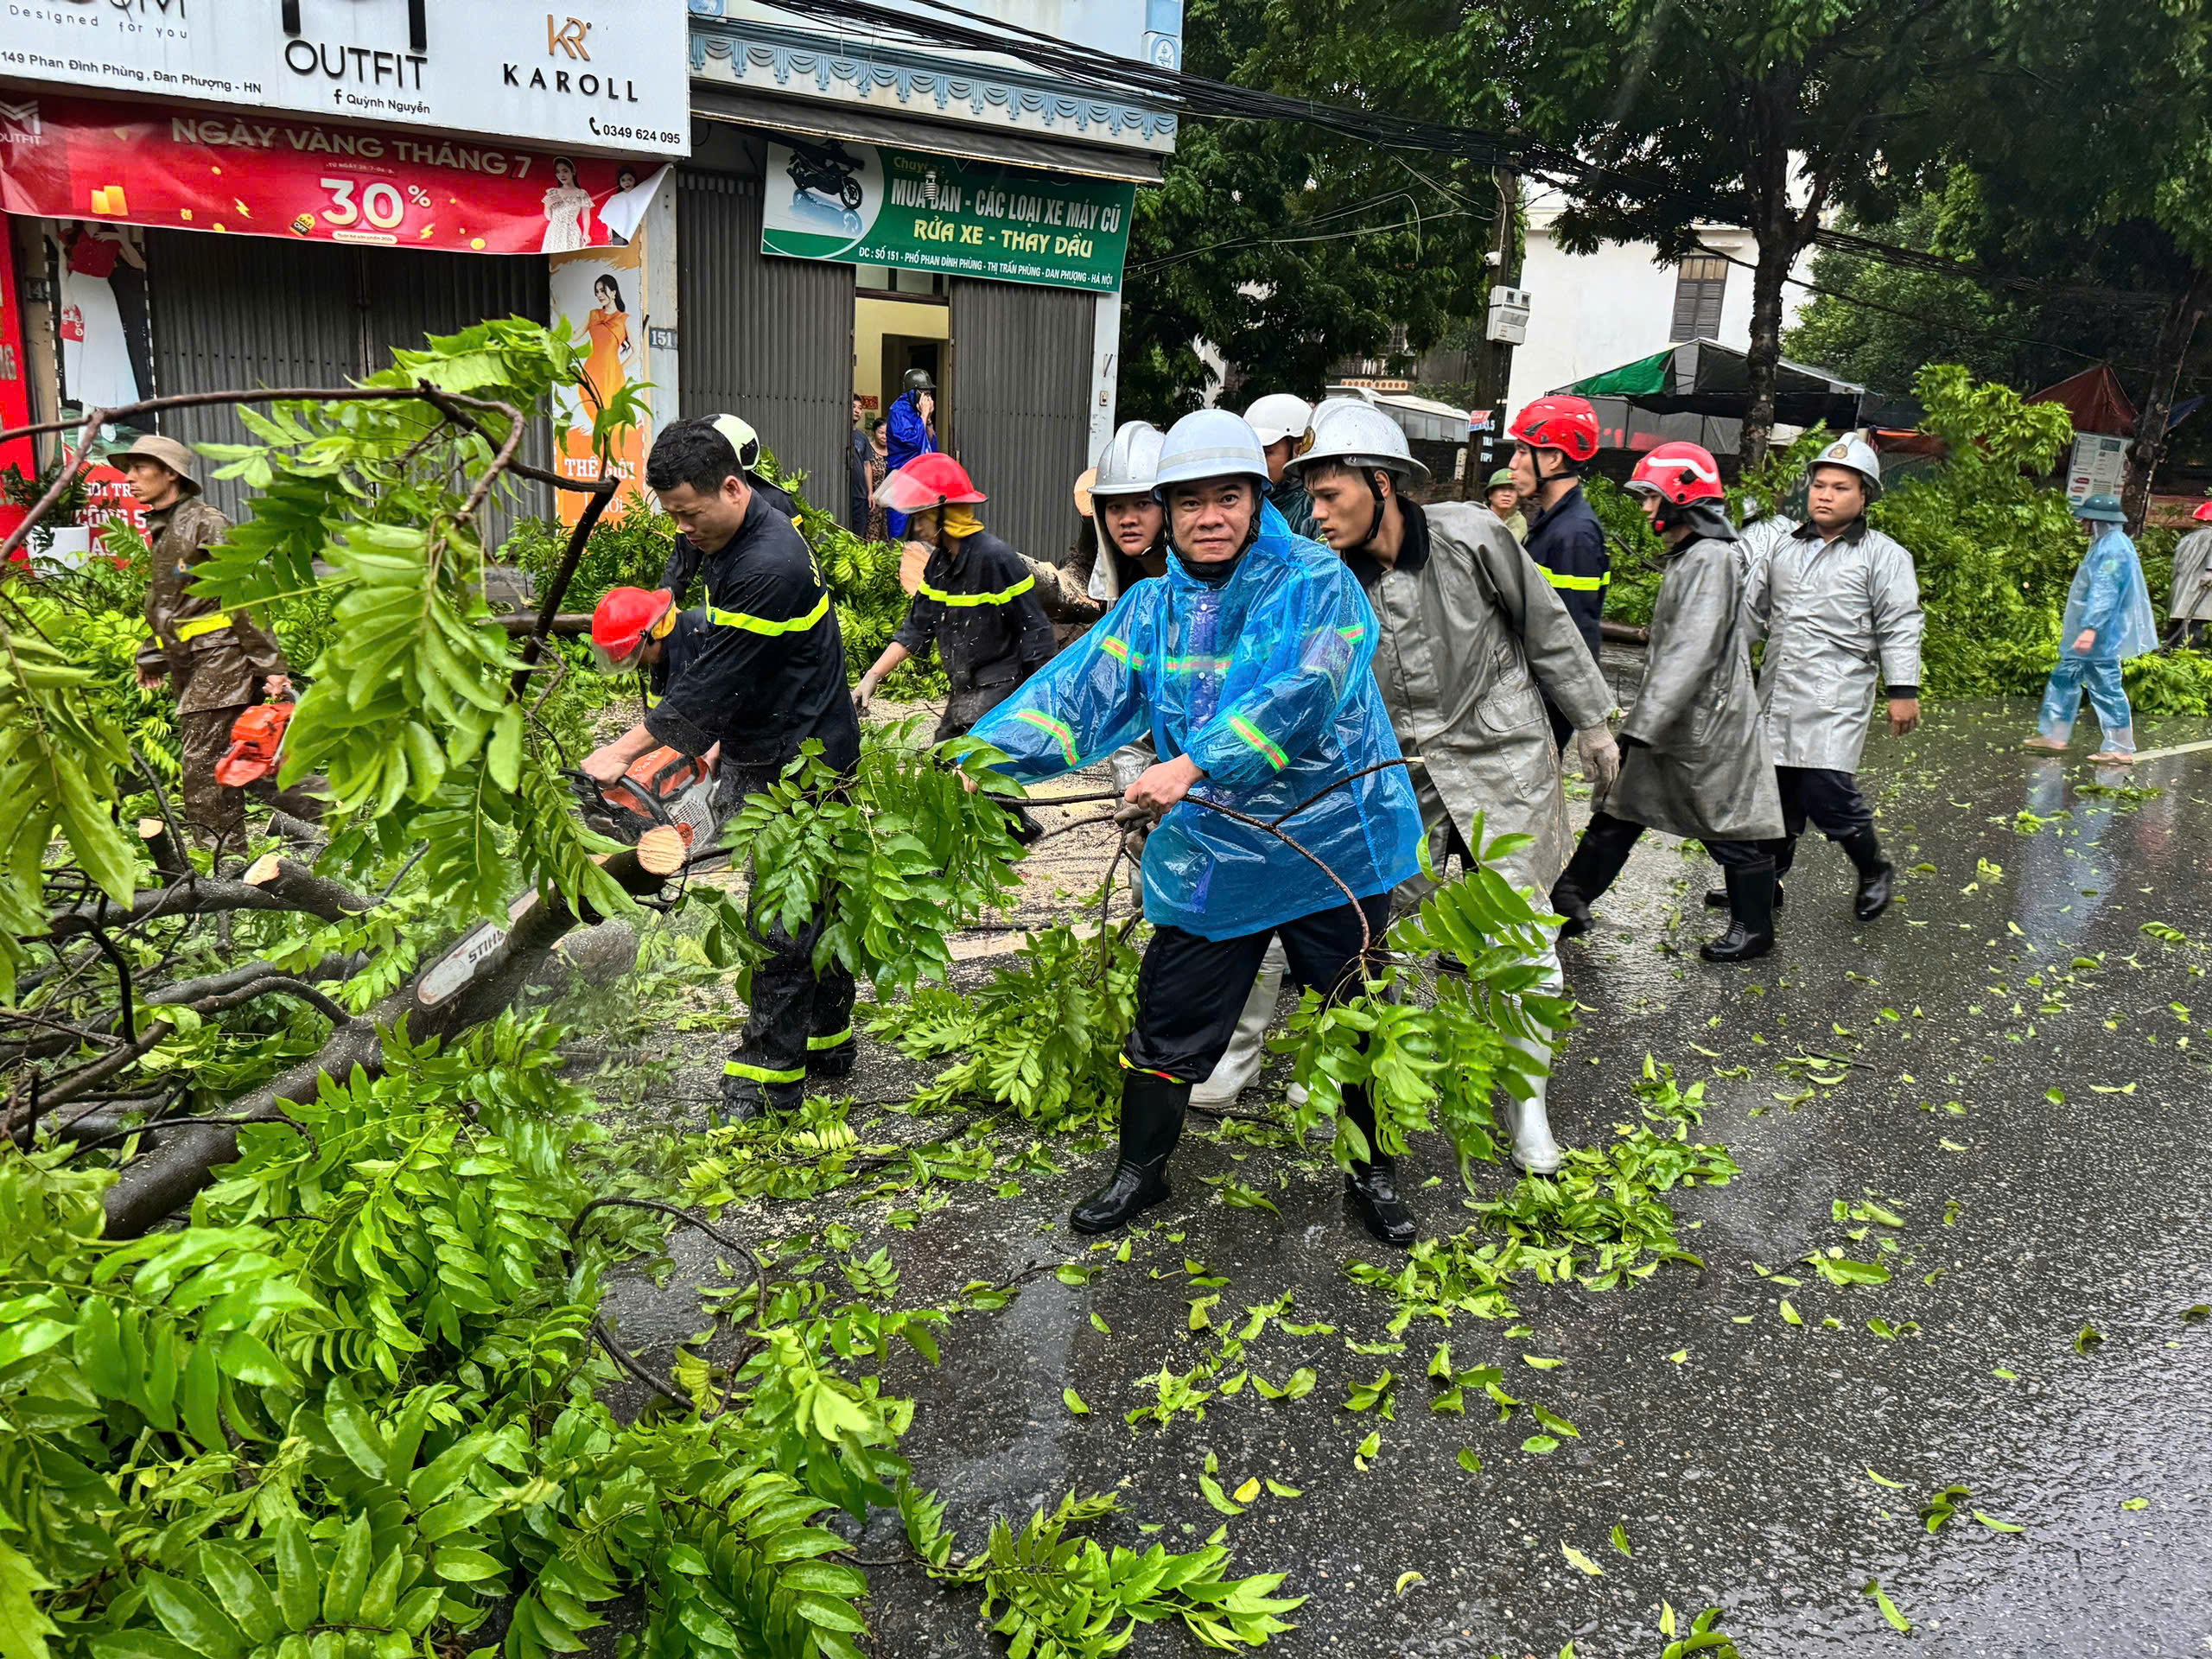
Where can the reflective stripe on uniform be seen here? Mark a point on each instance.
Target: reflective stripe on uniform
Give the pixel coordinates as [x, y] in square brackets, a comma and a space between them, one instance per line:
[1053, 729]
[1579, 584]
[762, 624]
[1259, 739]
[1198, 665]
[835, 1040]
[192, 627]
[1006, 596]
[1119, 649]
[761, 1074]
[1146, 1070]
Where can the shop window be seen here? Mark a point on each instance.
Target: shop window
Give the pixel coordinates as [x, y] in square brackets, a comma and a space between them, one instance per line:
[1699, 283]
[891, 279]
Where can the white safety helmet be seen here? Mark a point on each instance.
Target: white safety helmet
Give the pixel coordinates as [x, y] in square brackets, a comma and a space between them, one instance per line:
[1130, 461]
[1852, 451]
[742, 438]
[1278, 415]
[1355, 434]
[1209, 444]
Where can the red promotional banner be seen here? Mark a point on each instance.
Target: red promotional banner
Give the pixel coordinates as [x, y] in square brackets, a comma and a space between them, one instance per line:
[14, 390]
[256, 174]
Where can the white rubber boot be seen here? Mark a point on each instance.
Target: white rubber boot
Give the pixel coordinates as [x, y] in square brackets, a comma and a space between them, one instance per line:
[1246, 1054]
[1527, 1123]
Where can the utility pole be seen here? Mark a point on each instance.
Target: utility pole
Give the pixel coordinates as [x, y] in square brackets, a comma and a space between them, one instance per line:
[1496, 371]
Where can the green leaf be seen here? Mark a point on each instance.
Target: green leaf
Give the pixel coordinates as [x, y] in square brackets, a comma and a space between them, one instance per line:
[349, 1574]
[245, 1596]
[503, 756]
[1470, 1461]
[188, 1613]
[1539, 1446]
[1620, 1539]
[1884, 1480]
[1995, 1525]
[23, 1626]
[299, 1582]
[1073, 1402]
[1897, 1620]
[1581, 1562]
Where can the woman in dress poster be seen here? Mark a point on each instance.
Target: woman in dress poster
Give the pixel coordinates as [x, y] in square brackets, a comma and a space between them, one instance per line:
[566, 204]
[608, 366]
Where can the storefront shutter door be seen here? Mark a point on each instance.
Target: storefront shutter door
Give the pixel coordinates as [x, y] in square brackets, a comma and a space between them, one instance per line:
[769, 339]
[1017, 397]
[248, 311]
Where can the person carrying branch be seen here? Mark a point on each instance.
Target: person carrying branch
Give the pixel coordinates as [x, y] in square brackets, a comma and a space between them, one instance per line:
[768, 676]
[221, 662]
[1474, 644]
[1248, 664]
[1693, 761]
[976, 602]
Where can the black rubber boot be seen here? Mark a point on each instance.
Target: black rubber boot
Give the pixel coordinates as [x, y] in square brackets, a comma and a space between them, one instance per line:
[831, 1063]
[746, 1098]
[1597, 864]
[1717, 897]
[1372, 1187]
[1152, 1122]
[1877, 877]
[1751, 911]
[1568, 901]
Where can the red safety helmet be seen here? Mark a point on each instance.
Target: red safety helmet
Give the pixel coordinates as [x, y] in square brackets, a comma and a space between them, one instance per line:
[257, 740]
[926, 481]
[1679, 472]
[1566, 424]
[622, 623]
[2204, 512]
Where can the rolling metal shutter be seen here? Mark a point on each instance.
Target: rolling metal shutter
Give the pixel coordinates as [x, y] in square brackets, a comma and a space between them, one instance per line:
[246, 311]
[1018, 400]
[769, 339]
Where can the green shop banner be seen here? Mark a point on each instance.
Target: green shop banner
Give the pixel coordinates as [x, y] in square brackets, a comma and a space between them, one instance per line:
[863, 204]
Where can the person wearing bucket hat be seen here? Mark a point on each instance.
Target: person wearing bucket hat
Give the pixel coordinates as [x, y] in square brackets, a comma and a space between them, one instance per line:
[1502, 495]
[220, 663]
[1470, 634]
[1838, 603]
[2109, 620]
[976, 600]
[2189, 609]
[1249, 664]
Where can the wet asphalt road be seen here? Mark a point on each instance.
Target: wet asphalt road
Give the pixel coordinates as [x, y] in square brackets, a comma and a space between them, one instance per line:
[2015, 964]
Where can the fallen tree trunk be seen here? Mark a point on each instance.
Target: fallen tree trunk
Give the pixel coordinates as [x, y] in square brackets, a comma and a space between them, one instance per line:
[474, 980]
[272, 884]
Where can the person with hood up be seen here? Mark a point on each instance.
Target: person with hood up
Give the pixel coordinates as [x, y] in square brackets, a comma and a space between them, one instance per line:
[1279, 420]
[1470, 633]
[976, 602]
[1836, 601]
[2109, 620]
[1554, 443]
[2189, 607]
[1249, 664]
[1693, 761]
[913, 431]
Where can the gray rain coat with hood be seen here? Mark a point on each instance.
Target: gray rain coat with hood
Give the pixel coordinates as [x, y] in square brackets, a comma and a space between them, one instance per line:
[1693, 761]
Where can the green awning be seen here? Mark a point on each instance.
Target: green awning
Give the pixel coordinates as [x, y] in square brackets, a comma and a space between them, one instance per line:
[1641, 378]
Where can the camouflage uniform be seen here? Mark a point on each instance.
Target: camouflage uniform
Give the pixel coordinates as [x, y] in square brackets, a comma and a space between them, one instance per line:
[217, 662]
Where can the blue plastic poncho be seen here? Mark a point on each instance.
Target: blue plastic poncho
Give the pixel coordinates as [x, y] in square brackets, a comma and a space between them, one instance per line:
[2110, 596]
[1264, 682]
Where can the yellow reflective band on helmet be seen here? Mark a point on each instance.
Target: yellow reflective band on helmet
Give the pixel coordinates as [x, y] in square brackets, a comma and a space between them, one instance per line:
[192, 627]
[762, 624]
[1005, 596]
[1580, 584]
[1259, 739]
[761, 1074]
[835, 1040]
[1056, 729]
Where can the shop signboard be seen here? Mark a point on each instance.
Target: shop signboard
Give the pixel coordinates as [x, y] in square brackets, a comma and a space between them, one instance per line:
[309, 179]
[2099, 466]
[588, 74]
[865, 205]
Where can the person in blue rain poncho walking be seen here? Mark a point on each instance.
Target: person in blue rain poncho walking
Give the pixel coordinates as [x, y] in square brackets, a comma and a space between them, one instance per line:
[1248, 664]
[2109, 620]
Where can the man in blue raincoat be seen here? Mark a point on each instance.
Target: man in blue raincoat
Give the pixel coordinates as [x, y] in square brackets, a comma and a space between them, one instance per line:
[2109, 620]
[1248, 664]
[912, 434]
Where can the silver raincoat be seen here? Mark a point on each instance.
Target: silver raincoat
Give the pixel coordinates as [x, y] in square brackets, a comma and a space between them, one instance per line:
[1469, 628]
[2192, 597]
[1699, 766]
[1756, 542]
[1832, 613]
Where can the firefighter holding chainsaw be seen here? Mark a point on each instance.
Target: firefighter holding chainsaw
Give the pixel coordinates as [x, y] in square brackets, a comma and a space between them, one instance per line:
[221, 662]
[763, 674]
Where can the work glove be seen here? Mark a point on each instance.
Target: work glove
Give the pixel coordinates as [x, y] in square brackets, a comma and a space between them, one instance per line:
[1601, 757]
[1136, 824]
[861, 693]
